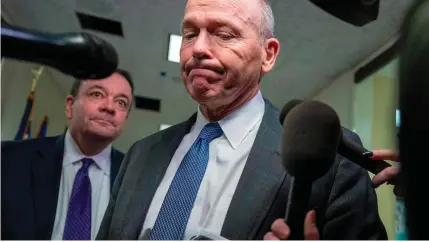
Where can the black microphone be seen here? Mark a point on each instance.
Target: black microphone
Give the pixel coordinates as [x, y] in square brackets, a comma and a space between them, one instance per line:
[311, 136]
[347, 147]
[81, 55]
[358, 154]
[287, 107]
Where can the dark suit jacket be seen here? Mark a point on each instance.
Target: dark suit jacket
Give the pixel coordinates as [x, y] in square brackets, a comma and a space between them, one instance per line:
[346, 204]
[30, 182]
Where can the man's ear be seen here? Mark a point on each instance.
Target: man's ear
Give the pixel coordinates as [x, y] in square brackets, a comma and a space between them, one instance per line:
[69, 106]
[271, 49]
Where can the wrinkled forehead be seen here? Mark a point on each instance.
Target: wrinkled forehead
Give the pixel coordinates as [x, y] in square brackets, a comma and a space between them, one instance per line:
[244, 11]
[114, 84]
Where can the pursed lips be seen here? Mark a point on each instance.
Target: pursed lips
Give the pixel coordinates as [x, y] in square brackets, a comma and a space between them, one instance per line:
[205, 73]
[100, 120]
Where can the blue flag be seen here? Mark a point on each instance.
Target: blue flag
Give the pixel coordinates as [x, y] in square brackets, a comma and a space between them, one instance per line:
[43, 128]
[25, 124]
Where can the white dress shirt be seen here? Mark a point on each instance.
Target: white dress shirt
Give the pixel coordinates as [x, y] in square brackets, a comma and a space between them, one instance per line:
[227, 157]
[99, 174]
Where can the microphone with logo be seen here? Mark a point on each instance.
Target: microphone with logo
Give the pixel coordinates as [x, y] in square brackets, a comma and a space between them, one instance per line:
[81, 55]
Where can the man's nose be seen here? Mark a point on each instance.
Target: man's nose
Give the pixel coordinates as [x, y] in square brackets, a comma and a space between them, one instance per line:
[108, 106]
[202, 47]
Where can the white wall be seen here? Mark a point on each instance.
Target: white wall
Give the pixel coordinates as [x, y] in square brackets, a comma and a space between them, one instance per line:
[339, 95]
[15, 86]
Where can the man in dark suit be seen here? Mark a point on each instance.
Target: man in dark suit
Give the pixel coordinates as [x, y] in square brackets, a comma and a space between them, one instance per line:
[219, 173]
[59, 187]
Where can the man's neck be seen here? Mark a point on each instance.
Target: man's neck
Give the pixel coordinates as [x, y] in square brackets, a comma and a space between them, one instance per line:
[89, 146]
[218, 113]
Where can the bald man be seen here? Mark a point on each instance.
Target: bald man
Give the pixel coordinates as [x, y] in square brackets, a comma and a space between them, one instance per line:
[219, 173]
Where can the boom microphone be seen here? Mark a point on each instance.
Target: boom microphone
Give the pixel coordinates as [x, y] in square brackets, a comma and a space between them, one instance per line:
[347, 148]
[310, 139]
[81, 55]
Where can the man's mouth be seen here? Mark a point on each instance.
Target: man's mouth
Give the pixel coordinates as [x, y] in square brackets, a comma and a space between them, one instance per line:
[103, 122]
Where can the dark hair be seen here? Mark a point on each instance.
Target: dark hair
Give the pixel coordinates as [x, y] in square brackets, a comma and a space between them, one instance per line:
[77, 83]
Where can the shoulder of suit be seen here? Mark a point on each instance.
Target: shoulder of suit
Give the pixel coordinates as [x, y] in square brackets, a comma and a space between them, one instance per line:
[158, 135]
[29, 143]
[118, 153]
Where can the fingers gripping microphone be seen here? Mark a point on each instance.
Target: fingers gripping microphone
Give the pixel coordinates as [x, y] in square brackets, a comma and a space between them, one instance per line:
[81, 55]
[310, 139]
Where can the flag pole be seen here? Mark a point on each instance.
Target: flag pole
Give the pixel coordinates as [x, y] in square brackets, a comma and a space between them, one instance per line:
[25, 124]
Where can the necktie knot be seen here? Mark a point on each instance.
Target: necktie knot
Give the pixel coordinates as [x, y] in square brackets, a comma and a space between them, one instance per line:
[211, 131]
[86, 163]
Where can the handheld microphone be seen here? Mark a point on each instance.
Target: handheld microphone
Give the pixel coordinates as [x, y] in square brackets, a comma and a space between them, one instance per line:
[81, 55]
[311, 136]
[347, 148]
[287, 107]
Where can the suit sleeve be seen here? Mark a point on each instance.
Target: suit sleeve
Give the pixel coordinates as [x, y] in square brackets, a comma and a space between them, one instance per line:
[352, 212]
[103, 233]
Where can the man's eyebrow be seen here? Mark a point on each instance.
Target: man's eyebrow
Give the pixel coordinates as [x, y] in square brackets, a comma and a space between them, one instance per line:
[124, 96]
[97, 87]
[102, 88]
[185, 24]
[189, 22]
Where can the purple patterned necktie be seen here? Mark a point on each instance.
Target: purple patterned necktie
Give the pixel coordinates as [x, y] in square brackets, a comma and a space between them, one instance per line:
[78, 221]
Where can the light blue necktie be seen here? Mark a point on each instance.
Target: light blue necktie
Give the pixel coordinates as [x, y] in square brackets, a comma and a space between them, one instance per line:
[179, 201]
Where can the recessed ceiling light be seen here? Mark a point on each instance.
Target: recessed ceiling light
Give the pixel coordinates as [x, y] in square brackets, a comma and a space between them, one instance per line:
[163, 126]
[174, 48]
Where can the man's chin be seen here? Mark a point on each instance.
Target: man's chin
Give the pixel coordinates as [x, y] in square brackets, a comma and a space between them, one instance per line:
[102, 133]
[204, 98]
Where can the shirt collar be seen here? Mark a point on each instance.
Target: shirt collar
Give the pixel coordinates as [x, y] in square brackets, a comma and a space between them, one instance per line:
[239, 123]
[72, 154]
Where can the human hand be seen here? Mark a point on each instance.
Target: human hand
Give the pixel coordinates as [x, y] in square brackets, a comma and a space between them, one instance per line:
[389, 172]
[280, 230]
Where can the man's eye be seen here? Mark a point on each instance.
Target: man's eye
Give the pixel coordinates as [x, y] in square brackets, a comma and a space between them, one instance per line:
[225, 36]
[122, 103]
[189, 35]
[96, 94]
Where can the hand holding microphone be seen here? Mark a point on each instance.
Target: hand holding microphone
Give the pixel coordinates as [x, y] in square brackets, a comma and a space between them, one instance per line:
[311, 136]
[390, 172]
[312, 139]
[281, 231]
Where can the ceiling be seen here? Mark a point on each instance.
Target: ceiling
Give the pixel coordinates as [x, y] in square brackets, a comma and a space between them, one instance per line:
[315, 46]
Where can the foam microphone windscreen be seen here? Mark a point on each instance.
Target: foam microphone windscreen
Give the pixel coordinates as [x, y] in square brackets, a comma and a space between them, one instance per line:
[311, 136]
[287, 107]
[79, 54]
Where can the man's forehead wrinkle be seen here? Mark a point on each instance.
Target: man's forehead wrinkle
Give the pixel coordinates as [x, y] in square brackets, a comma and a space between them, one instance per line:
[236, 8]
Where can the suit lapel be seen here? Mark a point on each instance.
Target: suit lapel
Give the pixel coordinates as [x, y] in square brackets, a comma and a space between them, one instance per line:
[115, 163]
[46, 175]
[261, 178]
[150, 172]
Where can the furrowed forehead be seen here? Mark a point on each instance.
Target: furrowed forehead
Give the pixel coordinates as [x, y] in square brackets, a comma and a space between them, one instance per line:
[222, 12]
